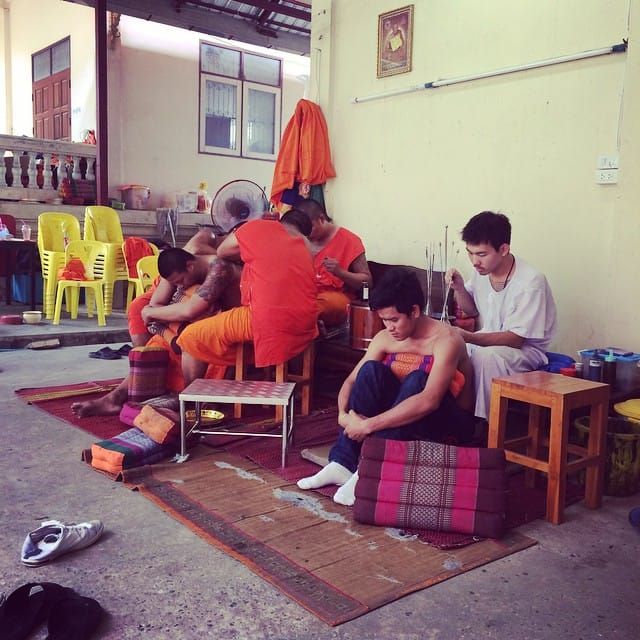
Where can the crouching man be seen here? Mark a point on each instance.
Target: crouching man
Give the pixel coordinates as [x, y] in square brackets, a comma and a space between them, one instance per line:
[415, 382]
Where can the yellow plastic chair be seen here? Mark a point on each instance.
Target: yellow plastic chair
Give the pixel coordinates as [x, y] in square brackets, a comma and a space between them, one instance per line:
[136, 285]
[94, 256]
[147, 268]
[55, 231]
[103, 224]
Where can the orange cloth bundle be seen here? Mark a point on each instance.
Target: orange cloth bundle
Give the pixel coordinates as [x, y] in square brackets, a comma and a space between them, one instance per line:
[73, 270]
[135, 248]
[161, 425]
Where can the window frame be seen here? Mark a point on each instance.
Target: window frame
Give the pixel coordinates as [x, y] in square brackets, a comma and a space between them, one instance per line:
[244, 86]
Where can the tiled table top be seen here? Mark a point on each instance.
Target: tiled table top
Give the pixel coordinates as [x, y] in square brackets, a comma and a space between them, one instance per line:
[242, 391]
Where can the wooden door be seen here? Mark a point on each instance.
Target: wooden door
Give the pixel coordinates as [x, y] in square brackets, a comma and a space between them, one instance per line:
[52, 107]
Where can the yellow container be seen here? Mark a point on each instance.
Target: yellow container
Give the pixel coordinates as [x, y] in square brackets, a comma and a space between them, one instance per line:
[629, 409]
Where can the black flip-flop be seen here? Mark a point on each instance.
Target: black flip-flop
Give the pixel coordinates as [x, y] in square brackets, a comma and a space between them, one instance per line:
[106, 353]
[28, 607]
[124, 350]
[74, 618]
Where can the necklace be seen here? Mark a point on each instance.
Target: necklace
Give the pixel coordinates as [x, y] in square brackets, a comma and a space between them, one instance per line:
[499, 286]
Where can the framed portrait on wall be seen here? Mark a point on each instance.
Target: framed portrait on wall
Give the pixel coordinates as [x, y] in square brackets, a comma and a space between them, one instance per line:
[395, 39]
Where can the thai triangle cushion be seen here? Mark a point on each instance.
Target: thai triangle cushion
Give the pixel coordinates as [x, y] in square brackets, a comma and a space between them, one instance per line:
[427, 485]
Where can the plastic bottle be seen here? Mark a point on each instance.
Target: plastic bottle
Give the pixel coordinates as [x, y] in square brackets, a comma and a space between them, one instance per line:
[4, 231]
[579, 368]
[203, 198]
[609, 369]
[595, 370]
[365, 291]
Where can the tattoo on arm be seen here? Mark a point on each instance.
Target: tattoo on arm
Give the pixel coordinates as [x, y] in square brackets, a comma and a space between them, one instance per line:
[217, 280]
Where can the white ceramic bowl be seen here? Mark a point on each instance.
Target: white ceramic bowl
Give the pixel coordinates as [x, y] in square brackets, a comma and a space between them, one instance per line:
[32, 317]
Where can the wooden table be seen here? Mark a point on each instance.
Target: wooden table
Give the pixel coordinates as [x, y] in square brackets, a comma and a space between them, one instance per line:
[561, 394]
[9, 245]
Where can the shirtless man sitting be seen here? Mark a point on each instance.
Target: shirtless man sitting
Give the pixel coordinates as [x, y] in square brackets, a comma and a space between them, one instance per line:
[415, 382]
[340, 263]
[179, 270]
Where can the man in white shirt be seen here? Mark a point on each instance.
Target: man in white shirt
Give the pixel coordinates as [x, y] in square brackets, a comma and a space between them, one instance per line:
[512, 300]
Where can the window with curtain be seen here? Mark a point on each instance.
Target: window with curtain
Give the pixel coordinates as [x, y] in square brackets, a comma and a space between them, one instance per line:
[240, 103]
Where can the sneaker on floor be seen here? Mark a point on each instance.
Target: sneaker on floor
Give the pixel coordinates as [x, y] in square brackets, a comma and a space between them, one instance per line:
[54, 538]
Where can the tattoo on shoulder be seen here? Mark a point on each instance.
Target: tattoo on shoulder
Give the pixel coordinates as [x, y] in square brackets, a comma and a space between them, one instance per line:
[217, 280]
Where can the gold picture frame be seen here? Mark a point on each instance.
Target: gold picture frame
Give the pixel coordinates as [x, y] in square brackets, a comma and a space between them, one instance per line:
[395, 41]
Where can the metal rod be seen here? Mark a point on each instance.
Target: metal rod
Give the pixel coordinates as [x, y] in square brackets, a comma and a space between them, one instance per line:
[592, 53]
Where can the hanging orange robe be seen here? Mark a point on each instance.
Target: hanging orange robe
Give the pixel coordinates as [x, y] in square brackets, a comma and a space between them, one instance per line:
[279, 311]
[333, 299]
[305, 155]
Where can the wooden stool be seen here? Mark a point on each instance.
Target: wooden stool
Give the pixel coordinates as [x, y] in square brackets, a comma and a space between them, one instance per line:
[303, 380]
[560, 394]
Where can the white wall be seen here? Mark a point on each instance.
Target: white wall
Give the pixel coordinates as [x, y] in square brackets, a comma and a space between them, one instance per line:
[35, 25]
[525, 144]
[156, 68]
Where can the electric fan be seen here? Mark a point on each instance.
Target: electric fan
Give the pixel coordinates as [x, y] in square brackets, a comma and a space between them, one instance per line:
[237, 201]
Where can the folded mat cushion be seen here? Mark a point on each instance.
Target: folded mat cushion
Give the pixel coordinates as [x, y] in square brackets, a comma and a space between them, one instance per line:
[147, 373]
[132, 448]
[160, 424]
[426, 485]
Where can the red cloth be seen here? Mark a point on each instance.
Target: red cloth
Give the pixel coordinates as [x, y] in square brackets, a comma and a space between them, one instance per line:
[278, 284]
[345, 247]
[73, 270]
[135, 248]
[305, 155]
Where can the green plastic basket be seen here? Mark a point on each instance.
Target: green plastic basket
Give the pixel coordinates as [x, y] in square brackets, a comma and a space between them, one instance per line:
[622, 472]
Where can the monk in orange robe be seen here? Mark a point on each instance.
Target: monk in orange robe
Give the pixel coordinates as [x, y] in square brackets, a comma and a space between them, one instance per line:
[340, 263]
[279, 309]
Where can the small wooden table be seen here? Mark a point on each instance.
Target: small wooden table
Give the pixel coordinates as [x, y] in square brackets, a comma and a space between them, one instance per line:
[560, 394]
[234, 392]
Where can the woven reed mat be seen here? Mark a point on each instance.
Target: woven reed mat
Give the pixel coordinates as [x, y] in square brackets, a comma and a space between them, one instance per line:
[57, 402]
[302, 542]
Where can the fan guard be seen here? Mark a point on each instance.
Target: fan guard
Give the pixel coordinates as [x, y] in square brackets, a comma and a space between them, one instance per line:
[237, 201]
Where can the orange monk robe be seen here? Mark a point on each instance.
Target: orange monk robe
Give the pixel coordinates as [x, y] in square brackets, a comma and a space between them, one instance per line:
[333, 299]
[305, 154]
[279, 309]
[278, 285]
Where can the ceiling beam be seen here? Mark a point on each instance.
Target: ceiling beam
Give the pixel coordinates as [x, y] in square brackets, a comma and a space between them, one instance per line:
[291, 12]
[205, 21]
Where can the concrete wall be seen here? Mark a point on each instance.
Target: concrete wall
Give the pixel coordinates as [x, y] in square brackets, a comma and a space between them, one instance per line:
[525, 144]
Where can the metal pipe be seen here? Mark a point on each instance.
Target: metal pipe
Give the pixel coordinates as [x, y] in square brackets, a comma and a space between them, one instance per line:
[592, 53]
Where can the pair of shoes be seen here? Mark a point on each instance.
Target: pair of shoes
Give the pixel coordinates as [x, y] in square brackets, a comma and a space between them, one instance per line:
[107, 353]
[54, 538]
[70, 616]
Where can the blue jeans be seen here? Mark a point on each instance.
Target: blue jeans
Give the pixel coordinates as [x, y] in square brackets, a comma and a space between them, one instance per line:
[376, 390]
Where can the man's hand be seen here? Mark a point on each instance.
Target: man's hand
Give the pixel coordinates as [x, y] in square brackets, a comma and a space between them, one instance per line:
[355, 426]
[454, 278]
[146, 315]
[464, 333]
[331, 265]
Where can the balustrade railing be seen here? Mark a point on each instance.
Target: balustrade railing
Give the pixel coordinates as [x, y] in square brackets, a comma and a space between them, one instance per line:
[33, 169]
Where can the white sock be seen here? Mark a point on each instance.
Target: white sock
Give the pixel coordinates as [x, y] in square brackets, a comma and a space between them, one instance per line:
[333, 473]
[346, 494]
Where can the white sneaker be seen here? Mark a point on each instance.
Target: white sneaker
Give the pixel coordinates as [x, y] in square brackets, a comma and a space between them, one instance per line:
[53, 538]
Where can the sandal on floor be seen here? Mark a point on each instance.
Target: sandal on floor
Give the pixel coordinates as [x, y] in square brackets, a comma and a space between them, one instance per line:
[124, 350]
[54, 538]
[28, 607]
[74, 618]
[106, 353]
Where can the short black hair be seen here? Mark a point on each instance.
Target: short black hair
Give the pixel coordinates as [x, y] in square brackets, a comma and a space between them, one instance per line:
[299, 220]
[399, 288]
[488, 227]
[173, 260]
[313, 209]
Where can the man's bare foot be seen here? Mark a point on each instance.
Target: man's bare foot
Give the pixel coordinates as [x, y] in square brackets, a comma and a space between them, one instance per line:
[105, 406]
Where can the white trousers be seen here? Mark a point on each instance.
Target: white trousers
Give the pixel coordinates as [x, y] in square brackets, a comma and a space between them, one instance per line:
[496, 362]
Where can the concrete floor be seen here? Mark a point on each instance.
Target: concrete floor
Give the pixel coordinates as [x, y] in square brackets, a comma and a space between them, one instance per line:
[158, 580]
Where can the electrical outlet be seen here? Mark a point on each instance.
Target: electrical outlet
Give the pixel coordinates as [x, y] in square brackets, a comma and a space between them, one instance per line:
[606, 176]
[608, 162]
